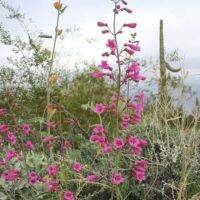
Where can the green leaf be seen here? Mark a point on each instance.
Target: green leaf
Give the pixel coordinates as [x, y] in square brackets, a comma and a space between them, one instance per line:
[3, 196]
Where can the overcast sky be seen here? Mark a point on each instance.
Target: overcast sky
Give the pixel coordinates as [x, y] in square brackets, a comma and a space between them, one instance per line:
[181, 17]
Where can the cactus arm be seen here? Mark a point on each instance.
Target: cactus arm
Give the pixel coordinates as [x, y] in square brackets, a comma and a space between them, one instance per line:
[168, 66]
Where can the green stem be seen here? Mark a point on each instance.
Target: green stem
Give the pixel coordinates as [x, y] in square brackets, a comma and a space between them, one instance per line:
[51, 66]
[119, 70]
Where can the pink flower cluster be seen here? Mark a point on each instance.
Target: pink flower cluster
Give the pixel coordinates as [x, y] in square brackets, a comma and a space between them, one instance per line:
[117, 178]
[140, 170]
[136, 144]
[33, 178]
[133, 71]
[11, 175]
[68, 195]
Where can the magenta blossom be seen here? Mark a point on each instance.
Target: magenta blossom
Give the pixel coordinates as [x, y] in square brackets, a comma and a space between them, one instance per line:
[118, 143]
[11, 175]
[117, 178]
[125, 120]
[10, 154]
[104, 65]
[140, 169]
[112, 45]
[97, 74]
[68, 195]
[51, 125]
[106, 149]
[99, 128]
[52, 170]
[4, 128]
[48, 140]
[29, 145]
[52, 185]
[99, 108]
[26, 129]
[33, 178]
[65, 145]
[76, 167]
[137, 144]
[11, 138]
[91, 178]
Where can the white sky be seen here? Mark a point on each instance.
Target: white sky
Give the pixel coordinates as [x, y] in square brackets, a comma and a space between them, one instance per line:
[181, 17]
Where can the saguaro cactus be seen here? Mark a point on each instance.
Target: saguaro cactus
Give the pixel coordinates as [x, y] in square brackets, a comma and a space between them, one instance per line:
[164, 66]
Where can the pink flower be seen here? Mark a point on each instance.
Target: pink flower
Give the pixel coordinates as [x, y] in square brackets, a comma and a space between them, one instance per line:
[118, 143]
[125, 120]
[2, 112]
[29, 145]
[136, 118]
[130, 25]
[49, 140]
[4, 128]
[65, 145]
[52, 185]
[97, 74]
[111, 44]
[129, 51]
[106, 149]
[76, 167]
[99, 108]
[51, 125]
[137, 144]
[68, 195]
[33, 178]
[91, 178]
[140, 169]
[138, 107]
[11, 138]
[26, 129]
[104, 65]
[134, 67]
[133, 47]
[139, 176]
[117, 178]
[10, 154]
[11, 175]
[52, 170]
[99, 128]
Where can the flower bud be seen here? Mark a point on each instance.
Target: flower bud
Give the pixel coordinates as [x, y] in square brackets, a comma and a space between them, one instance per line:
[106, 54]
[118, 6]
[57, 5]
[101, 24]
[130, 25]
[128, 10]
[105, 31]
